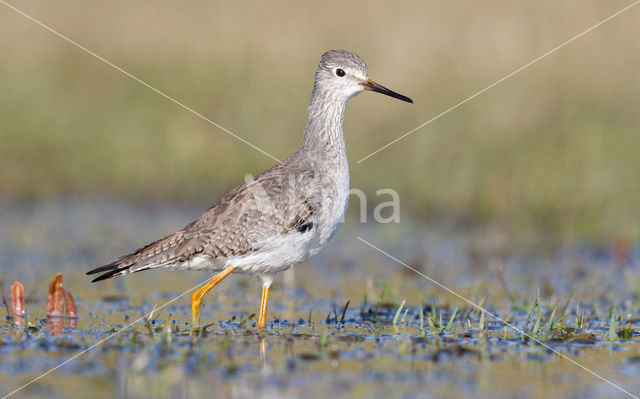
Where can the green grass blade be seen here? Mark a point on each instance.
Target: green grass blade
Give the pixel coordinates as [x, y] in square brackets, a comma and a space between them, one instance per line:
[453, 316]
[612, 328]
[395, 318]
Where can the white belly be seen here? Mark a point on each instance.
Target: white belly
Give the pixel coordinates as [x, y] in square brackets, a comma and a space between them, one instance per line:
[275, 255]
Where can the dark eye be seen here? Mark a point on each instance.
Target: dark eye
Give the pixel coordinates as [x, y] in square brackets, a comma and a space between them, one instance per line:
[340, 72]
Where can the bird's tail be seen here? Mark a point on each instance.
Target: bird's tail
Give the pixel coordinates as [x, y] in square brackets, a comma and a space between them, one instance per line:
[117, 268]
[113, 269]
[145, 258]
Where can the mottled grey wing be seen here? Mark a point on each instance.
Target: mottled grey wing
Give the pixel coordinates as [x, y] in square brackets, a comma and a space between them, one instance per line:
[272, 204]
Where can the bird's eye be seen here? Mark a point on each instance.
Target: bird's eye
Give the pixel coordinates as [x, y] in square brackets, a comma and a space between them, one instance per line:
[340, 72]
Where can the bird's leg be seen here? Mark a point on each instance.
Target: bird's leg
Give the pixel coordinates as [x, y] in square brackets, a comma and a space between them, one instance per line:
[196, 297]
[262, 317]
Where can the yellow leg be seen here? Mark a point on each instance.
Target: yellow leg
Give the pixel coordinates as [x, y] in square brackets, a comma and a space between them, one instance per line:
[196, 297]
[262, 317]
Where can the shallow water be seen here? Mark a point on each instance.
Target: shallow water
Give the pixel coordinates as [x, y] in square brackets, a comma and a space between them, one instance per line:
[310, 348]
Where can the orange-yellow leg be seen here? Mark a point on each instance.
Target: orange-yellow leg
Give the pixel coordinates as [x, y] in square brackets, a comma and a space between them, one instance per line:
[196, 297]
[262, 317]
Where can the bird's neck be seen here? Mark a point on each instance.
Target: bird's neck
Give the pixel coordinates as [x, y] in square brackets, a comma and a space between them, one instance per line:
[324, 126]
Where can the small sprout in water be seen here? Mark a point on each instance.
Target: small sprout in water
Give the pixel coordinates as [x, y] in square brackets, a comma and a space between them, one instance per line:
[375, 314]
[344, 311]
[395, 318]
[452, 318]
[17, 299]
[550, 323]
[71, 306]
[434, 330]
[404, 316]
[612, 328]
[55, 300]
[538, 316]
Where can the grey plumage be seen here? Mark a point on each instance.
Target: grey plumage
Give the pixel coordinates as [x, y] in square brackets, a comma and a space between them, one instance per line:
[283, 215]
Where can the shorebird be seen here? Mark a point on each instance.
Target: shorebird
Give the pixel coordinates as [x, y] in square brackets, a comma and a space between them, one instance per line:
[282, 216]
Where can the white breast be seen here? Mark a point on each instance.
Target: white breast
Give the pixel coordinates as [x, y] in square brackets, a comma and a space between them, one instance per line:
[334, 206]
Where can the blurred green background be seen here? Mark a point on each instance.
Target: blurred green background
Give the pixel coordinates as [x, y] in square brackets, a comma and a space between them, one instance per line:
[552, 150]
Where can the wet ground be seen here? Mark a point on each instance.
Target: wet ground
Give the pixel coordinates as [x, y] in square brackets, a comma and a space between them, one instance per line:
[352, 322]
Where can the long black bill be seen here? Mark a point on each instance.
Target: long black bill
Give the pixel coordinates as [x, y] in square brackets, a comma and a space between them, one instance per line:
[373, 86]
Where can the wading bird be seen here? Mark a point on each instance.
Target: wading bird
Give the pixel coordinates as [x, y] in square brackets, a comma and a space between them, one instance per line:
[283, 215]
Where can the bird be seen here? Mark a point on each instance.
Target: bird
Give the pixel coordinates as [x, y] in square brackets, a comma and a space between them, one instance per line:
[280, 217]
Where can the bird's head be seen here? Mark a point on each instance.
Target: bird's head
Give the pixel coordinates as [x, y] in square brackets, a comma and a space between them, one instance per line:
[344, 74]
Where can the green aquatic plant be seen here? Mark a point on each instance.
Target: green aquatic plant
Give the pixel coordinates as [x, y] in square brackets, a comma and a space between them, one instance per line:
[452, 318]
[344, 311]
[395, 318]
[612, 328]
[421, 313]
